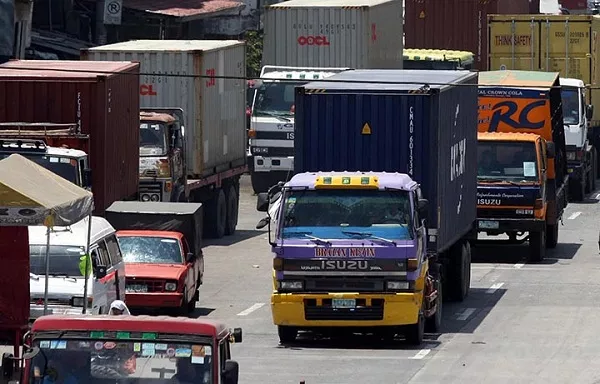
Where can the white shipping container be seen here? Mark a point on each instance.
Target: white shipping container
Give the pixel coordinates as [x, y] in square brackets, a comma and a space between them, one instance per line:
[215, 126]
[361, 34]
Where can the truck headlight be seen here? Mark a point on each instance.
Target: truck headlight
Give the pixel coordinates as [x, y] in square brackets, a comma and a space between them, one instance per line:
[571, 155]
[292, 285]
[397, 285]
[171, 287]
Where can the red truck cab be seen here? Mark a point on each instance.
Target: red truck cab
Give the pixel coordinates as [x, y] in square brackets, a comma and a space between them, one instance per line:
[160, 270]
[162, 249]
[137, 349]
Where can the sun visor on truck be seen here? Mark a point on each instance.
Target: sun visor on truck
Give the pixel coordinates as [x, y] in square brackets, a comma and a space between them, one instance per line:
[180, 217]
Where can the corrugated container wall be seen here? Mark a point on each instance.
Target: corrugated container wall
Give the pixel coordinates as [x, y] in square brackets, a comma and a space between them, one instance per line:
[455, 24]
[539, 43]
[336, 33]
[104, 106]
[215, 126]
[14, 301]
[381, 127]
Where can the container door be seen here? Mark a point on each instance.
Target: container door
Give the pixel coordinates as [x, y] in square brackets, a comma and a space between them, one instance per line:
[565, 48]
[514, 44]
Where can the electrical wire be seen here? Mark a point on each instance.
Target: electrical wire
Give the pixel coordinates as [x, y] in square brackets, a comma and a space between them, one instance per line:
[325, 80]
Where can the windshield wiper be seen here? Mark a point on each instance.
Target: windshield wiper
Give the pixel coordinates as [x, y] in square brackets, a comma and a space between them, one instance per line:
[370, 236]
[497, 181]
[58, 275]
[317, 240]
[276, 115]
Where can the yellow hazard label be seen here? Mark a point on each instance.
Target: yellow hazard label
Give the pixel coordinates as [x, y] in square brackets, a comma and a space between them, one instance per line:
[366, 129]
[422, 15]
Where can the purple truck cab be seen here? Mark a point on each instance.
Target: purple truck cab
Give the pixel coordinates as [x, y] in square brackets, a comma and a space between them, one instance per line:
[350, 251]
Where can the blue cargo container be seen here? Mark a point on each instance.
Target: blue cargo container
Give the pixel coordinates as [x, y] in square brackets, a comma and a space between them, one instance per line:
[427, 132]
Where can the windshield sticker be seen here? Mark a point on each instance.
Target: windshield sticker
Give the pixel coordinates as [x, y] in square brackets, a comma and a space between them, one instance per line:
[44, 344]
[65, 160]
[528, 169]
[197, 359]
[171, 352]
[53, 159]
[137, 347]
[109, 345]
[98, 345]
[183, 352]
[161, 347]
[148, 349]
[61, 344]
[168, 241]
[83, 344]
[144, 126]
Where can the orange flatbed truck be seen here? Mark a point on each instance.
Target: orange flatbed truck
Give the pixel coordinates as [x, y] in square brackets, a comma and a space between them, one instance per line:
[145, 349]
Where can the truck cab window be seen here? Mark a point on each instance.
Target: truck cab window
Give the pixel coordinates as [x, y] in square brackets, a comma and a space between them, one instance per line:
[507, 161]
[114, 251]
[153, 139]
[103, 254]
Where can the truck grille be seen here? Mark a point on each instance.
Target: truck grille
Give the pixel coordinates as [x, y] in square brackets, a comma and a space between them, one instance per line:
[149, 187]
[312, 311]
[152, 285]
[486, 213]
[149, 173]
[323, 284]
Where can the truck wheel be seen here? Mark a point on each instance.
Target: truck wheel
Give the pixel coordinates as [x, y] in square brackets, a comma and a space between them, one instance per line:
[232, 210]
[551, 236]
[579, 190]
[215, 215]
[434, 323]
[588, 182]
[415, 332]
[459, 271]
[287, 334]
[261, 181]
[537, 246]
[594, 169]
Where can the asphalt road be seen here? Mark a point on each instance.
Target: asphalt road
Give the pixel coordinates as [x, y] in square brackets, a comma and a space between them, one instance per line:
[521, 323]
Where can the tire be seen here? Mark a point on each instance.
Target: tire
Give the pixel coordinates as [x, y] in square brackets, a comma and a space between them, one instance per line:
[588, 183]
[594, 171]
[261, 181]
[579, 190]
[459, 272]
[233, 201]
[215, 216]
[414, 333]
[552, 236]
[433, 324]
[286, 334]
[537, 246]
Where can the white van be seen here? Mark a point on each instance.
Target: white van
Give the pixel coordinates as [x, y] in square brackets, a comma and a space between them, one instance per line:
[65, 282]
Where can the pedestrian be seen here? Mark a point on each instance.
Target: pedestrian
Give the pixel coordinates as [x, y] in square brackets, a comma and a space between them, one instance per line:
[118, 307]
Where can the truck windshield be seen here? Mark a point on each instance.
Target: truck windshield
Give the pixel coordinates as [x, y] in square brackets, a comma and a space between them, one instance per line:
[67, 360]
[146, 249]
[507, 161]
[153, 139]
[62, 166]
[275, 99]
[571, 108]
[64, 260]
[341, 214]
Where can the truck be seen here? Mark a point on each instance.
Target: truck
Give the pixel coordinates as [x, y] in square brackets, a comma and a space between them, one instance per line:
[581, 154]
[271, 134]
[538, 43]
[203, 153]
[169, 271]
[522, 163]
[339, 33]
[377, 221]
[75, 119]
[123, 348]
[437, 59]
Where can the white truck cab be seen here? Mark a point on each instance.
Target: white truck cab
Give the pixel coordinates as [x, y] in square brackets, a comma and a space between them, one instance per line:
[581, 155]
[271, 130]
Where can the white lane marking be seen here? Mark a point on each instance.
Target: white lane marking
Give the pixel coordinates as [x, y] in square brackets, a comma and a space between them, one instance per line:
[253, 308]
[465, 314]
[421, 354]
[518, 265]
[574, 216]
[494, 288]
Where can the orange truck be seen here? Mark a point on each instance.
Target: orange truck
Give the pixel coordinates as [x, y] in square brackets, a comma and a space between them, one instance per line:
[162, 249]
[522, 177]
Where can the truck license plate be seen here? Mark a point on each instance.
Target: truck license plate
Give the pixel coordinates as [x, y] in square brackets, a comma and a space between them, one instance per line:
[489, 224]
[137, 288]
[343, 303]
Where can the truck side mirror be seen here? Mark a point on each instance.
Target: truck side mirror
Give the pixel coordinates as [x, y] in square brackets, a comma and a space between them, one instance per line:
[263, 222]
[589, 111]
[87, 178]
[100, 272]
[550, 150]
[237, 335]
[422, 207]
[8, 365]
[262, 202]
[231, 372]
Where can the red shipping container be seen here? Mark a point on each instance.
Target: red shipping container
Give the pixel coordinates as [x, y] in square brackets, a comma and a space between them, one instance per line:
[574, 5]
[104, 106]
[14, 295]
[455, 24]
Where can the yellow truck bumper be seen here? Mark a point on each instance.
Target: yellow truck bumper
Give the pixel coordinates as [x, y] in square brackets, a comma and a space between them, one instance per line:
[373, 310]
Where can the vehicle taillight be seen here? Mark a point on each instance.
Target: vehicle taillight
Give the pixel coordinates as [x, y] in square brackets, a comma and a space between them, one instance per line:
[251, 133]
[579, 154]
[278, 264]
